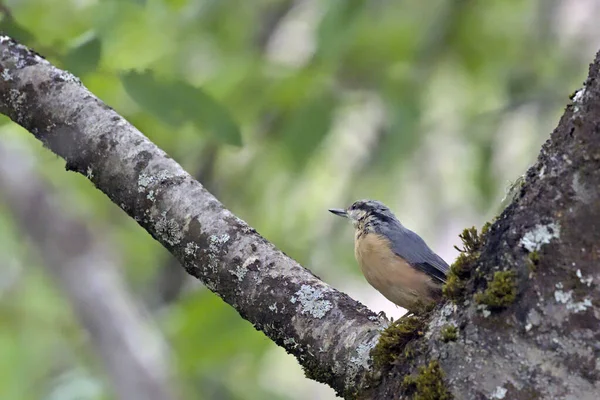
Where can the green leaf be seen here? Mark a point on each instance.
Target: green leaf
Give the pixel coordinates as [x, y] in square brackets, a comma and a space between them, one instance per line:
[84, 56]
[308, 126]
[177, 102]
[10, 27]
[335, 31]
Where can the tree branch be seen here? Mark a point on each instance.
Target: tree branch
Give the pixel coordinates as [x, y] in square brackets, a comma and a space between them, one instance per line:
[329, 333]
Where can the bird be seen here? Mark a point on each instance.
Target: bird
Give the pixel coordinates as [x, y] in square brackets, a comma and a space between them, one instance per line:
[394, 260]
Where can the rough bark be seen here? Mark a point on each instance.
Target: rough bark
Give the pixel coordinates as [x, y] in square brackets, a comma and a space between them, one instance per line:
[543, 345]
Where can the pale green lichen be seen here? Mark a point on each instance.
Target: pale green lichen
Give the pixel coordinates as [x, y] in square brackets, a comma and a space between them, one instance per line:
[190, 249]
[240, 272]
[6, 75]
[312, 301]
[64, 76]
[586, 281]
[361, 360]
[441, 319]
[145, 180]
[484, 310]
[168, 230]
[215, 243]
[250, 261]
[583, 193]
[499, 392]
[577, 98]
[18, 99]
[540, 235]
[362, 353]
[567, 298]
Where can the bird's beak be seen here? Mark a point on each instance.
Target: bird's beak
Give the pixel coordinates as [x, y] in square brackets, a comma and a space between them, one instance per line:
[339, 211]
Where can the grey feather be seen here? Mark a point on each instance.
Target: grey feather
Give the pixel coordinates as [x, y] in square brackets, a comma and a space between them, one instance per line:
[412, 248]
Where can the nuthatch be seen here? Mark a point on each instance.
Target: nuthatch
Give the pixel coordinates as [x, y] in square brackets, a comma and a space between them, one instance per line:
[394, 259]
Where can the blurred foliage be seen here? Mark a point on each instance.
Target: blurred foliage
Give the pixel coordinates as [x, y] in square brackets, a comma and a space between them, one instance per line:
[282, 109]
[179, 103]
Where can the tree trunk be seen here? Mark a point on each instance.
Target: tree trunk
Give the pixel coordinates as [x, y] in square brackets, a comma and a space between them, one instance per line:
[525, 322]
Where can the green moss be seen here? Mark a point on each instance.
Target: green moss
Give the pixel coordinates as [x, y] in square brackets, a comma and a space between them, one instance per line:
[423, 308]
[485, 229]
[409, 353]
[471, 240]
[428, 384]
[449, 333]
[393, 340]
[461, 269]
[501, 291]
[463, 264]
[534, 260]
[459, 272]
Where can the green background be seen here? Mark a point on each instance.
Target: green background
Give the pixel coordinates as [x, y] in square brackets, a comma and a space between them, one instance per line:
[282, 109]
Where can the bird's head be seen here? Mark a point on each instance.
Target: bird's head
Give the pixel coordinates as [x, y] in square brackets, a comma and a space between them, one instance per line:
[363, 213]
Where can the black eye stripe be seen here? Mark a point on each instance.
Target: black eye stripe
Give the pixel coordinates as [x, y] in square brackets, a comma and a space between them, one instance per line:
[361, 206]
[372, 208]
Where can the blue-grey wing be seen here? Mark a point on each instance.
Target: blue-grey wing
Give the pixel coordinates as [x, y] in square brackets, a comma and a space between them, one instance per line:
[412, 248]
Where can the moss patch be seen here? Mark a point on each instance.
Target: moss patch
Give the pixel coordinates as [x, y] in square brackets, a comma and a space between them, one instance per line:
[394, 339]
[501, 291]
[423, 309]
[534, 260]
[472, 241]
[449, 333]
[454, 287]
[428, 384]
[484, 231]
[461, 269]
